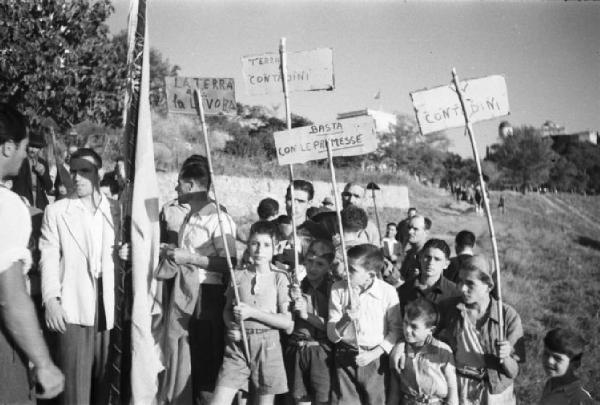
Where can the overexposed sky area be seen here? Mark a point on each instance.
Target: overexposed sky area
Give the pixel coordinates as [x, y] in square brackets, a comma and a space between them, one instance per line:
[549, 52]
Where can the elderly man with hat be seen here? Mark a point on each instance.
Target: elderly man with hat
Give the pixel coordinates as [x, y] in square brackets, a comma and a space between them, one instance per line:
[77, 266]
[33, 181]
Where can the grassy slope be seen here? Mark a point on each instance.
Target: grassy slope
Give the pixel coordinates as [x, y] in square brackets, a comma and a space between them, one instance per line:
[549, 253]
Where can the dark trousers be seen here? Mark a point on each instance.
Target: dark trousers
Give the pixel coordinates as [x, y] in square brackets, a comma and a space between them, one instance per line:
[207, 341]
[358, 385]
[81, 353]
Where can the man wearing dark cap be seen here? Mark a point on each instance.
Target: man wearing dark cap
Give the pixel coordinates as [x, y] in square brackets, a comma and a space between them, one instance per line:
[33, 181]
[77, 267]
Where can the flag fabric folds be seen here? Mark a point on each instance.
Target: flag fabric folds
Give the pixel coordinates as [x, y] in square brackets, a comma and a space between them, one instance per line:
[145, 241]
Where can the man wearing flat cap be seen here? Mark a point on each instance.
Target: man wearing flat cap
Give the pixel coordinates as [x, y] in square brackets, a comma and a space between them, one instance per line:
[33, 181]
[77, 266]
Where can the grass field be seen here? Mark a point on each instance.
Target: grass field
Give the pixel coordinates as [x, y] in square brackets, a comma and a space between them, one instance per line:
[549, 248]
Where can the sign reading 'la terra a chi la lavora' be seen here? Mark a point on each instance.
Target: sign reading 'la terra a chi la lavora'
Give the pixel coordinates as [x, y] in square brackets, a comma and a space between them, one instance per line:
[306, 71]
[439, 108]
[348, 137]
[218, 95]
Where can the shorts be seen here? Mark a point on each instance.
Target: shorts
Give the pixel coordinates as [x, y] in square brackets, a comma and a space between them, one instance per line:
[266, 373]
[309, 370]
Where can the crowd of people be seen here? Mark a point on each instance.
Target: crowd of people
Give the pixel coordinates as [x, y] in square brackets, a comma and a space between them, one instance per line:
[391, 320]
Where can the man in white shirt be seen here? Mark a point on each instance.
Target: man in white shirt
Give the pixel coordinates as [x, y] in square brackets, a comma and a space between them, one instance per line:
[201, 245]
[77, 267]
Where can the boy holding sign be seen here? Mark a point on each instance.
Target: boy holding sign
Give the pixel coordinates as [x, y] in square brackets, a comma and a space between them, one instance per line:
[364, 332]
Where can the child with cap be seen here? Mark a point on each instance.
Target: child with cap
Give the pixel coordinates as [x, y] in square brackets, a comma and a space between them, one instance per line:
[425, 373]
[487, 358]
[308, 352]
[263, 308]
[563, 350]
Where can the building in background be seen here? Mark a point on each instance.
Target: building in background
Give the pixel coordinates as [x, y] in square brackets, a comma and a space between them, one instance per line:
[384, 121]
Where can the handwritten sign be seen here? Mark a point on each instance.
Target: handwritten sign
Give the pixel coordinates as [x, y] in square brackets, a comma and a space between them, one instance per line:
[349, 137]
[307, 71]
[218, 95]
[439, 108]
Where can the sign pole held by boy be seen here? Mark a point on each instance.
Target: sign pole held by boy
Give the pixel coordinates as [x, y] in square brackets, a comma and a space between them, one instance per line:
[486, 201]
[288, 120]
[199, 106]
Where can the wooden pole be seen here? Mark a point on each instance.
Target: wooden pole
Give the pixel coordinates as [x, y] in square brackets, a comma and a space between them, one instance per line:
[486, 202]
[288, 120]
[338, 204]
[376, 214]
[200, 109]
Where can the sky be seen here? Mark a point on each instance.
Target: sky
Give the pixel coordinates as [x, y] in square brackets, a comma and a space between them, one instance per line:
[548, 52]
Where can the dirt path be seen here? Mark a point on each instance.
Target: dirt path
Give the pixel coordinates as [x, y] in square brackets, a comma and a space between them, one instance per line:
[572, 210]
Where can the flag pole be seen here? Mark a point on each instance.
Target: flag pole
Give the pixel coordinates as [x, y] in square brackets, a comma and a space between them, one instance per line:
[288, 120]
[338, 212]
[486, 201]
[200, 110]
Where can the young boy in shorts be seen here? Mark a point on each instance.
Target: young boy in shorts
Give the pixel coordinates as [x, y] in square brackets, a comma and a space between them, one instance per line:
[563, 350]
[425, 373]
[308, 352]
[263, 307]
[364, 331]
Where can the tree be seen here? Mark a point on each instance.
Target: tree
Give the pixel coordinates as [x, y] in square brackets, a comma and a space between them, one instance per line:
[525, 158]
[57, 61]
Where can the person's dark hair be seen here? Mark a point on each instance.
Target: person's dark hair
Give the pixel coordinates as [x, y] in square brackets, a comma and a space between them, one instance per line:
[264, 228]
[283, 220]
[424, 309]
[302, 185]
[328, 220]
[369, 256]
[464, 239]
[566, 341]
[411, 209]
[327, 246]
[88, 152]
[392, 224]
[267, 208]
[13, 124]
[354, 219]
[311, 212]
[195, 168]
[428, 223]
[437, 244]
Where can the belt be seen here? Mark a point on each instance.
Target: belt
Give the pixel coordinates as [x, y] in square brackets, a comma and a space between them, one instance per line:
[308, 343]
[258, 331]
[421, 399]
[477, 374]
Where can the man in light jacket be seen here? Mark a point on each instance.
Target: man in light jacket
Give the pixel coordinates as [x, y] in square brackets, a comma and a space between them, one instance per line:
[77, 266]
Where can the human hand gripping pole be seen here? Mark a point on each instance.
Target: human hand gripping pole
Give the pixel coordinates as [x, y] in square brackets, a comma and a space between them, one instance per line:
[200, 109]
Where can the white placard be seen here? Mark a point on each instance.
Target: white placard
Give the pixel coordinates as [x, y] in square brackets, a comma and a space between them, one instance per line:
[218, 95]
[439, 108]
[306, 71]
[349, 137]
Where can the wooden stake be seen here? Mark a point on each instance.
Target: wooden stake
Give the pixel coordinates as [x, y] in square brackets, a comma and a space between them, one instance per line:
[200, 108]
[486, 202]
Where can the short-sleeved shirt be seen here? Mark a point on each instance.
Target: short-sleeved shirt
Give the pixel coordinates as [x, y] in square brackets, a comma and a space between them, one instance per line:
[14, 231]
[201, 234]
[423, 372]
[571, 393]
[172, 216]
[268, 292]
[317, 303]
[441, 290]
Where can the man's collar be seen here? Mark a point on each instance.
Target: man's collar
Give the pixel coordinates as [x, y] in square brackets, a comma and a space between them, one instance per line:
[436, 287]
[323, 286]
[492, 310]
[374, 289]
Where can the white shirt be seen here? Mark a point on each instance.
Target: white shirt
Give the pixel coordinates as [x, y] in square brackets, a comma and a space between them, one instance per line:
[93, 224]
[379, 321]
[15, 229]
[201, 234]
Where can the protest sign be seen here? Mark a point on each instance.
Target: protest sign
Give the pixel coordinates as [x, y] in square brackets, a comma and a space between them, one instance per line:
[306, 71]
[439, 108]
[218, 95]
[350, 137]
